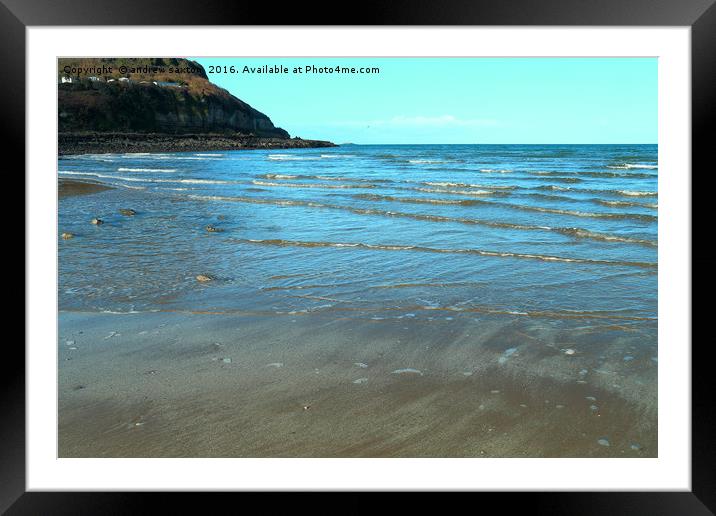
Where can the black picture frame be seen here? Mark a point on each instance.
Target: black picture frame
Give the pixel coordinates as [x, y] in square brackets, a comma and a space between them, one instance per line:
[700, 15]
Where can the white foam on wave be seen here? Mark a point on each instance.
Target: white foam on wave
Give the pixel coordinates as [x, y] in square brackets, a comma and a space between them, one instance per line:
[455, 192]
[338, 156]
[632, 193]
[123, 169]
[467, 185]
[144, 180]
[427, 161]
[628, 166]
[291, 157]
[192, 158]
[203, 182]
[280, 176]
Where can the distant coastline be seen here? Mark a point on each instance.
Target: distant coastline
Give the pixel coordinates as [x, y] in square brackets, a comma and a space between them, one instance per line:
[70, 143]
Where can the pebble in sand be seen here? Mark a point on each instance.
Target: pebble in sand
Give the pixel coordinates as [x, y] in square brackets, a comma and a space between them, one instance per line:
[506, 354]
[603, 441]
[275, 364]
[360, 380]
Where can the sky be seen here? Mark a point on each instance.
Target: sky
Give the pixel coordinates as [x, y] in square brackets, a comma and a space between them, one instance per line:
[453, 100]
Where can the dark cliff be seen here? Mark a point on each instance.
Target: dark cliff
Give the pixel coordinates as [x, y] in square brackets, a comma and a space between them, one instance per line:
[151, 95]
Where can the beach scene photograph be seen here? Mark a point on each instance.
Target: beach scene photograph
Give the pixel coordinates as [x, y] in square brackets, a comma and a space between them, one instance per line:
[357, 257]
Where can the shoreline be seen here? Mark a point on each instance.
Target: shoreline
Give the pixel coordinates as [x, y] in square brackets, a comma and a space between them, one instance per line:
[105, 143]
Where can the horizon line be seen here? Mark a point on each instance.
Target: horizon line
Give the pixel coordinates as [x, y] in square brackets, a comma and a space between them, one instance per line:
[472, 143]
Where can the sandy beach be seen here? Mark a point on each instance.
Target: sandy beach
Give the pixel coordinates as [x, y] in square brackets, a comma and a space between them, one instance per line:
[202, 385]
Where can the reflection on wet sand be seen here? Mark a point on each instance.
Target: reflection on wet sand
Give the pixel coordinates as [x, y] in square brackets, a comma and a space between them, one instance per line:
[168, 385]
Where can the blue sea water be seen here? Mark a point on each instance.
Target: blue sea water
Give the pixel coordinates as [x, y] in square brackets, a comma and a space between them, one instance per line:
[548, 232]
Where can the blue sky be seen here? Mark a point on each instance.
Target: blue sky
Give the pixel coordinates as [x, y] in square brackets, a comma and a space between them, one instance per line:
[455, 100]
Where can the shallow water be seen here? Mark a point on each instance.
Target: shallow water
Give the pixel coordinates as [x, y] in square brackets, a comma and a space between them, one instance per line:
[561, 232]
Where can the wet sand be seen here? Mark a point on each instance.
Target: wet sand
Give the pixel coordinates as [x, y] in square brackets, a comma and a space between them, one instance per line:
[198, 385]
[69, 187]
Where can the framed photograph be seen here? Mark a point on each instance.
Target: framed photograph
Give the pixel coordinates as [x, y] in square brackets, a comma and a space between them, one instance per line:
[438, 249]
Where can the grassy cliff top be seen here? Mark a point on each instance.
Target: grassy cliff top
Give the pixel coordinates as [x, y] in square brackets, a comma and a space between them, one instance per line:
[162, 69]
[183, 100]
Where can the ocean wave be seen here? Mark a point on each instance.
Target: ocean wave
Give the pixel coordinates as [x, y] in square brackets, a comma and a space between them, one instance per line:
[579, 200]
[551, 314]
[311, 185]
[454, 192]
[524, 207]
[584, 173]
[291, 157]
[467, 185]
[427, 161]
[628, 204]
[279, 176]
[631, 175]
[414, 200]
[633, 165]
[605, 237]
[145, 180]
[122, 169]
[338, 156]
[398, 247]
[204, 181]
[631, 193]
[325, 178]
[558, 179]
[554, 187]
[577, 190]
[256, 200]
[185, 158]
[570, 231]
[574, 213]
[105, 176]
